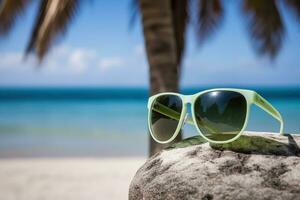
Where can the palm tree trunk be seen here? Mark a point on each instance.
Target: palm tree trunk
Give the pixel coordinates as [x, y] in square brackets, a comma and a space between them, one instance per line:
[161, 51]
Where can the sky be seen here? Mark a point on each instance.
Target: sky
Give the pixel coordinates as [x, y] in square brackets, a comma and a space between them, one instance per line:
[100, 49]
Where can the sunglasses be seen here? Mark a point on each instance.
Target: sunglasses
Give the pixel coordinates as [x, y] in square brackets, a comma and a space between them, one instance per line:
[220, 115]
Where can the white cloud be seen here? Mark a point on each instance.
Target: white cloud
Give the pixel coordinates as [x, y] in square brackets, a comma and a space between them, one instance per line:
[139, 50]
[9, 60]
[16, 62]
[111, 62]
[66, 65]
[80, 59]
[61, 59]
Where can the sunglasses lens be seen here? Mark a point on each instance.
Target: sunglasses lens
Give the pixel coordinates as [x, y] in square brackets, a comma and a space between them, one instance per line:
[165, 114]
[220, 115]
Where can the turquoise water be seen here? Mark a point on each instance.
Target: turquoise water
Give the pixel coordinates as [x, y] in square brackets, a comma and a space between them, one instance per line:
[101, 122]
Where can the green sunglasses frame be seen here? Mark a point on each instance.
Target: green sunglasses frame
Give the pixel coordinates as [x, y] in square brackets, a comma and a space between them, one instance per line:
[252, 98]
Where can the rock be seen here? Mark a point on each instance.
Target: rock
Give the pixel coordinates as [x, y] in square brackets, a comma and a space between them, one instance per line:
[256, 166]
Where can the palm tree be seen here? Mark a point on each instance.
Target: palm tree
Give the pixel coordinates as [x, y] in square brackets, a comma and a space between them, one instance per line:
[164, 25]
[165, 22]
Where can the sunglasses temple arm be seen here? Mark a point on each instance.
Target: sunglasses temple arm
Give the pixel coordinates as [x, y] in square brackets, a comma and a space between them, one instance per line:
[266, 106]
[164, 110]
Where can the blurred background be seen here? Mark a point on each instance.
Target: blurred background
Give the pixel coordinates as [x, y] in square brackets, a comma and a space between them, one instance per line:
[83, 92]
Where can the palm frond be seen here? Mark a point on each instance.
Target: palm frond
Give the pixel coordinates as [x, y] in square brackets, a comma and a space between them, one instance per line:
[180, 20]
[38, 23]
[52, 21]
[265, 25]
[294, 5]
[210, 15]
[10, 10]
[134, 8]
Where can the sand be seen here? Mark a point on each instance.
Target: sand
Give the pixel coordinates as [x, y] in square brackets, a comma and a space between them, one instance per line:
[67, 178]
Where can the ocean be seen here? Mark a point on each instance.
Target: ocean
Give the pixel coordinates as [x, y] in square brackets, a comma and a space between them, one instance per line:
[91, 122]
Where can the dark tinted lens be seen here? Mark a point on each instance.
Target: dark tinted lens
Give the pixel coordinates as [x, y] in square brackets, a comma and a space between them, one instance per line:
[165, 115]
[220, 115]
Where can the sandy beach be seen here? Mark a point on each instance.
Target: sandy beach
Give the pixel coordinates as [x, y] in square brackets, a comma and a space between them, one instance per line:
[67, 178]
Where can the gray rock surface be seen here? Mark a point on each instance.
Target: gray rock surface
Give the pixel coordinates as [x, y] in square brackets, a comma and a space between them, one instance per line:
[257, 166]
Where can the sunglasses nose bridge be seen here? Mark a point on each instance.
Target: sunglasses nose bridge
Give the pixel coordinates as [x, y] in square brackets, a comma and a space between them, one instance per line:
[187, 99]
[185, 118]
